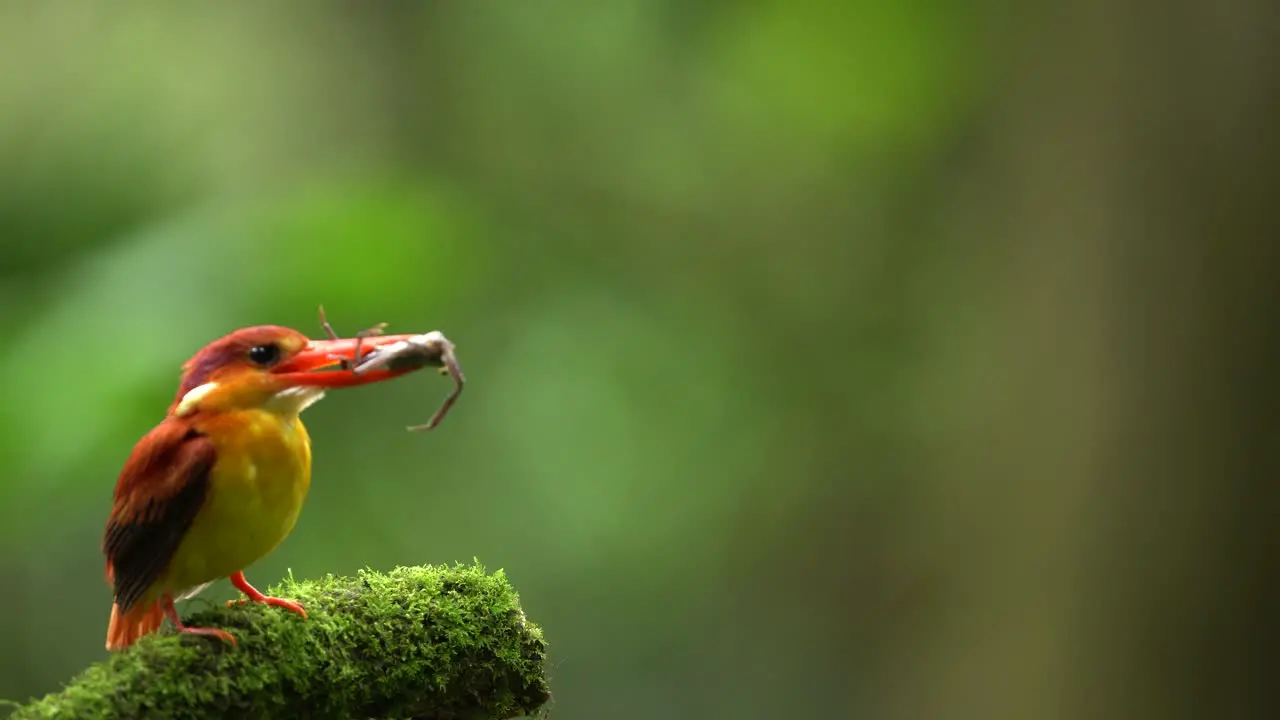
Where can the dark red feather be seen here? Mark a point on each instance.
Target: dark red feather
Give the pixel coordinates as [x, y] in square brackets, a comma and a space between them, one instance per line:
[159, 491]
[230, 350]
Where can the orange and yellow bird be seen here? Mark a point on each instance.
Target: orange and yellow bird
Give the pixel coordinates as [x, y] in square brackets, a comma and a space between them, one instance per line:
[220, 481]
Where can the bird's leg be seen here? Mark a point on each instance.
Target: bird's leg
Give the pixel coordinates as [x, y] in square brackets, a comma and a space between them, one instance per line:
[172, 613]
[256, 596]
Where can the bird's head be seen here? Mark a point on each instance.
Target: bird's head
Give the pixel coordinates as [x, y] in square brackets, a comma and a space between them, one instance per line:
[272, 368]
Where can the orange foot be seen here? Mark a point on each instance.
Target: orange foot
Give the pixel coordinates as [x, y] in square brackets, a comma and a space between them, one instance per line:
[172, 613]
[256, 596]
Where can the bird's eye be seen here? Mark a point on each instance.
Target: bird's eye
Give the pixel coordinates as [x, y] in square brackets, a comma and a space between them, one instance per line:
[264, 354]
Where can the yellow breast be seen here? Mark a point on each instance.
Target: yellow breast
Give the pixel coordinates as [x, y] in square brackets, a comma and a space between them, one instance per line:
[257, 487]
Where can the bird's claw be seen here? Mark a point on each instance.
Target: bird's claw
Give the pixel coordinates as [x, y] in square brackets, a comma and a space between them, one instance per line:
[289, 605]
[222, 635]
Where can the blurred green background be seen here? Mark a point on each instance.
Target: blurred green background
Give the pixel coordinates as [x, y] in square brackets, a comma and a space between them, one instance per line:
[846, 359]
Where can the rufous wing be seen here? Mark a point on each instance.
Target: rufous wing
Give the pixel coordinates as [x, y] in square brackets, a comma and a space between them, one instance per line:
[159, 492]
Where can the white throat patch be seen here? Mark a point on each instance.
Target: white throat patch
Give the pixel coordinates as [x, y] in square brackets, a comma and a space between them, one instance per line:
[188, 404]
[292, 401]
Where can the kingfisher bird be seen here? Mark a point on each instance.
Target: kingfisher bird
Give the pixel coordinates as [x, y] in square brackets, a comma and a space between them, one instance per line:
[219, 483]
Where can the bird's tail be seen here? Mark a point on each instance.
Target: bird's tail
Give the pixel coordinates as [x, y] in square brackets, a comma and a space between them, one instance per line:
[126, 628]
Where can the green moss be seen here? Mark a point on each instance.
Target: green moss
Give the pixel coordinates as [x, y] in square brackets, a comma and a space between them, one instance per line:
[420, 642]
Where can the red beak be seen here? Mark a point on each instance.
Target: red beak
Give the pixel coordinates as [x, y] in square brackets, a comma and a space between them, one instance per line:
[328, 363]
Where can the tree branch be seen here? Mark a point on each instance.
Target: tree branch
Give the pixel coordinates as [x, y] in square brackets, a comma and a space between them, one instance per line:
[422, 642]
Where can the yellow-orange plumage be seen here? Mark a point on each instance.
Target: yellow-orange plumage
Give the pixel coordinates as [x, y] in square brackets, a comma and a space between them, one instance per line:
[220, 482]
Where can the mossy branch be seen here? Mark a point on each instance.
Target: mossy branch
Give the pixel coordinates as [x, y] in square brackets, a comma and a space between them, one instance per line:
[420, 642]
